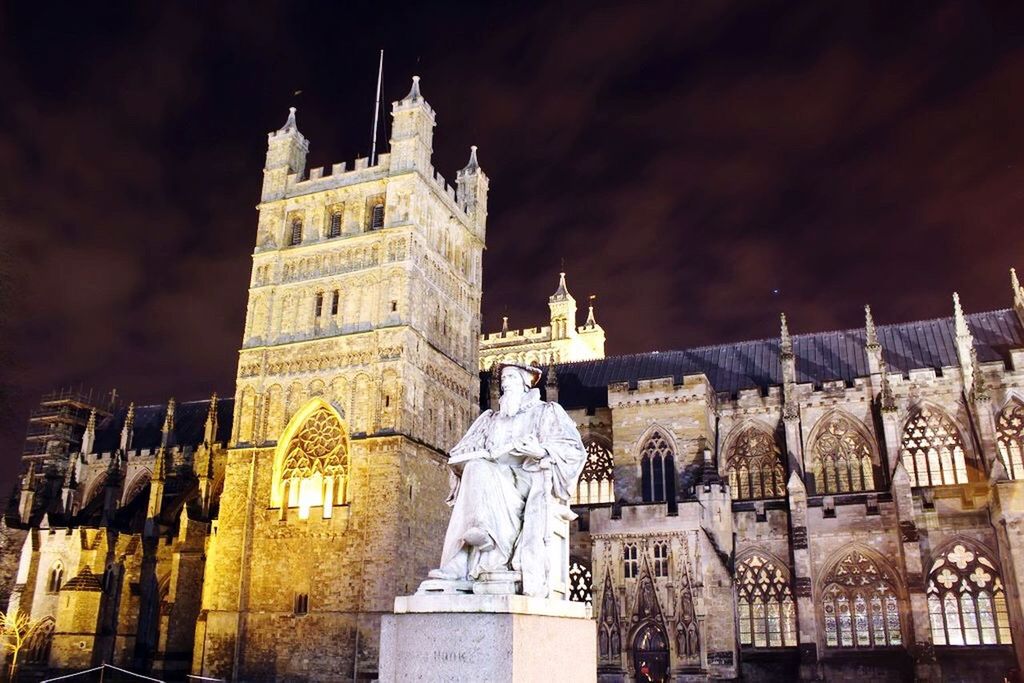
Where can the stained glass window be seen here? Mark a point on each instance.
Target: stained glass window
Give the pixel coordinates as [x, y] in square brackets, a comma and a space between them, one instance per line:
[755, 466]
[314, 471]
[766, 608]
[841, 458]
[966, 599]
[859, 604]
[1010, 426]
[932, 451]
[595, 483]
[661, 559]
[657, 470]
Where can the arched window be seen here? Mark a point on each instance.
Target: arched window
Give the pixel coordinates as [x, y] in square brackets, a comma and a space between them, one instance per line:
[661, 559]
[630, 563]
[932, 450]
[335, 226]
[657, 470]
[37, 649]
[755, 466]
[314, 462]
[860, 606]
[296, 235]
[377, 217]
[1010, 426]
[966, 600]
[56, 578]
[595, 482]
[300, 603]
[766, 608]
[841, 458]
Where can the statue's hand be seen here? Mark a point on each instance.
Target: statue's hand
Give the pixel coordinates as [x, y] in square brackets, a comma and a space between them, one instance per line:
[529, 447]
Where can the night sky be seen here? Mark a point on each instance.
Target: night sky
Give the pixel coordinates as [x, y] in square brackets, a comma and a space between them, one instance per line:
[700, 167]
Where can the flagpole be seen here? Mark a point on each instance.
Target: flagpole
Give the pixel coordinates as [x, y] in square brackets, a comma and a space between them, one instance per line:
[376, 110]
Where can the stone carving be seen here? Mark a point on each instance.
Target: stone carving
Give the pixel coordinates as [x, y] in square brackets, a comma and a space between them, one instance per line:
[512, 475]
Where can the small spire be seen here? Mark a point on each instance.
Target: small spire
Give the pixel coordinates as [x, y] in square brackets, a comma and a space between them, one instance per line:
[562, 290]
[786, 343]
[414, 92]
[210, 431]
[91, 425]
[591, 321]
[169, 418]
[473, 165]
[160, 465]
[871, 334]
[129, 425]
[290, 124]
[71, 475]
[1018, 291]
[959, 320]
[504, 324]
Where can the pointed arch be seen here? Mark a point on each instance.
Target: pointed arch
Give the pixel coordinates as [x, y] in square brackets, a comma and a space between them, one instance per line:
[649, 639]
[656, 457]
[596, 481]
[1010, 437]
[311, 461]
[139, 482]
[37, 649]
[765, 602]
[861, 600]
[609, 633]
[842, 454]
[754, 464]
[933, 449]
[967, 602]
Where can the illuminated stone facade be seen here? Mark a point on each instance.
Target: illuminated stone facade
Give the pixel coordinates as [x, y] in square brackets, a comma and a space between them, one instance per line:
[561, 341]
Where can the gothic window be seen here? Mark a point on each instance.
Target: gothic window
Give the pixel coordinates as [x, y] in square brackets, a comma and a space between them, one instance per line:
[314, 470]
[1010, 439]
[657, 470]
[859, 604]
[630, 563]
[579, 582]
[766, 608]
[335, 225]
[56, 578]
[37, 649]
[595, 482]
[296, 234]
[300, 604]
[932, 450]
[755, 466]
[334, 302]
[661, 559]
[966, 599]
[319, 305]
[841, 458]
[377, 217]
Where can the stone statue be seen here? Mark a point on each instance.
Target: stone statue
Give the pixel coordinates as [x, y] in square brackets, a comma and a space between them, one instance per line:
[511, 470]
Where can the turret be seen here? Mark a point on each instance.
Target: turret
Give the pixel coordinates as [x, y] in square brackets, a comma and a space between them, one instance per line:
[127, 428]
[563, 310]
[472, 186]
[412, 132]
[964, 345]
[89, 437]
[872, 348]
[286, 154]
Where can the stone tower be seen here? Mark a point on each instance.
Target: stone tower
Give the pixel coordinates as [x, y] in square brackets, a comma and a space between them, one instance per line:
[358, 370]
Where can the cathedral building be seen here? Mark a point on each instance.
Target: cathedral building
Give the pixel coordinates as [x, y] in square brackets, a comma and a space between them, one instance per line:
[843, 505]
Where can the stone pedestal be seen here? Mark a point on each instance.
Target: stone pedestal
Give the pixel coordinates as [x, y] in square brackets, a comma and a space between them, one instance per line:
[495, 638]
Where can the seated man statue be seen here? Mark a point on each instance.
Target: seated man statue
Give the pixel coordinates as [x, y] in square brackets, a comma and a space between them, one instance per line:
[505, 472]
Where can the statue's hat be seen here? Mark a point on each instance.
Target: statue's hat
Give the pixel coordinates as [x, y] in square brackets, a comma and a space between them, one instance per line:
[533, 372]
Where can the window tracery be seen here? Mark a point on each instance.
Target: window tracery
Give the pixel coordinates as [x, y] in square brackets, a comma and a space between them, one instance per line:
[932, 451]
[630, 561]
[1010, 439]
[580, 582]
[37, 649]
[595, 483]
[766, 607]
[754, 466]
[657, 469]
[314, 469]
[859, 604]
[842, 458]
[661, 559]
[966, 599]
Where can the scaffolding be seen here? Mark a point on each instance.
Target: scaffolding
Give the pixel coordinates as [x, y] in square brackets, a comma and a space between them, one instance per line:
[56, 427]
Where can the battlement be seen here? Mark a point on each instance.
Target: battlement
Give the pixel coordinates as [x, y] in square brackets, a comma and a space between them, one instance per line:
[529, 334]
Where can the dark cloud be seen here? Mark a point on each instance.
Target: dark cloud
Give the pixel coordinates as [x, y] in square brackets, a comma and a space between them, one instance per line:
[684, 159]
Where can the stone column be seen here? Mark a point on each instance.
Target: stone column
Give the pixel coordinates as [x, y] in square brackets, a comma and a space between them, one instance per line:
[1008, 519]
[802, 582]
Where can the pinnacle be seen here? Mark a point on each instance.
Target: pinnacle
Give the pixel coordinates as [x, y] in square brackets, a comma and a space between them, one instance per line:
[414, 92]
[473, 165]
[290, 124]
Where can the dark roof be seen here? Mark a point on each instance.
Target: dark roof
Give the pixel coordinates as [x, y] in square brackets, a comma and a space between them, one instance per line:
[820, 357]
[189, 424]
[85, 581]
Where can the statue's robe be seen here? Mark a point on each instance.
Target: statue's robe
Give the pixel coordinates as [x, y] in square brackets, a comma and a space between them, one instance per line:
[508, 498]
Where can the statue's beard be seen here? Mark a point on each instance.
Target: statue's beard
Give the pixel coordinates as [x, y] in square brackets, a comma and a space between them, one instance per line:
[510, 402]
